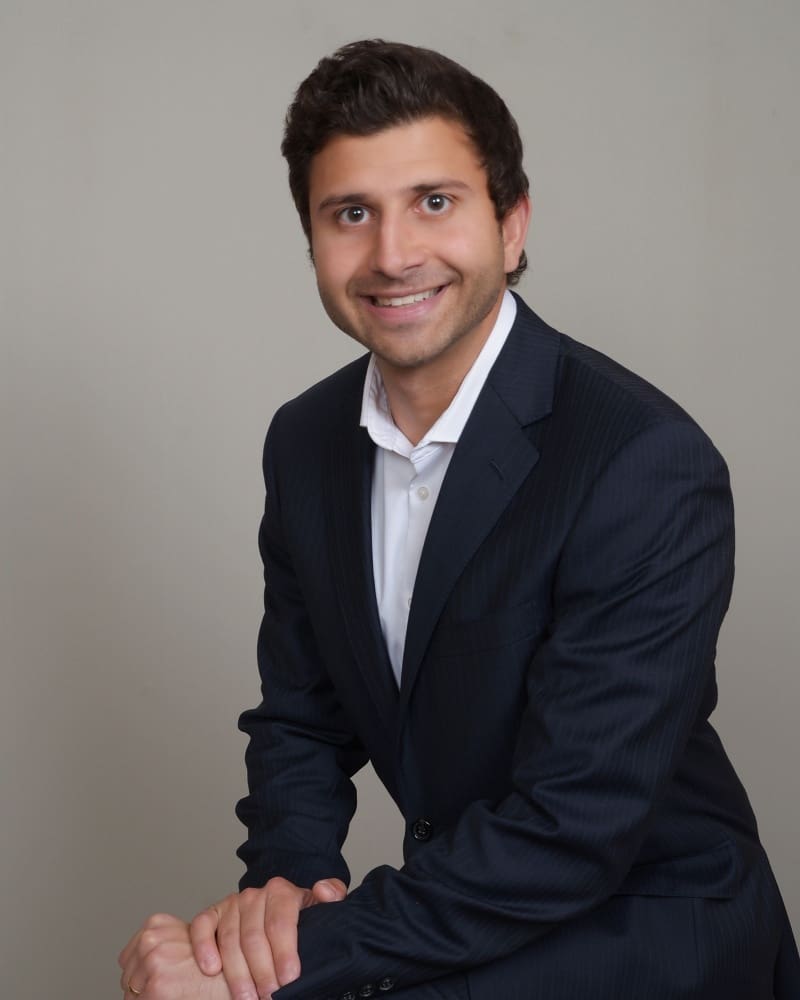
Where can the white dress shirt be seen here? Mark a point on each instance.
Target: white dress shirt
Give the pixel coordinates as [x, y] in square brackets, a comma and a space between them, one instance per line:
[407, 479]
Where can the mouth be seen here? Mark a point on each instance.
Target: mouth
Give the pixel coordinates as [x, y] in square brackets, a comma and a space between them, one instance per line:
[397, 301]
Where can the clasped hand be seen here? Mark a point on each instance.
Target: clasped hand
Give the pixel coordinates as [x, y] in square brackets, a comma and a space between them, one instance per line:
[245, 945]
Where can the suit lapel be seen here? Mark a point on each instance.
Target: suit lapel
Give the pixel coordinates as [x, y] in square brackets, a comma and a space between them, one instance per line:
[348, 506]
[492, 458]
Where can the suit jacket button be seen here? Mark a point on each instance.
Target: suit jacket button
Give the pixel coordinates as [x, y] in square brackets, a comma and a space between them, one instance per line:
[366, 990]
[349, 995]
[422, 829]
[386, 984]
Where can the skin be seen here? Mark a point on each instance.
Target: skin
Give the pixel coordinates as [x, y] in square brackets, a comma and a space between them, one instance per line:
[159, 962]
[408, 210]
[252, 934]
[401, 212]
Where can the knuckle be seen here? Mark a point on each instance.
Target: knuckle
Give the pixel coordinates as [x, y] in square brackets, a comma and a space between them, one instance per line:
[228, 937]
[266, 983]
[216, 911]
[250, 895]
[148, 941]
[157, 987]
[155, 959]
[252, 938]
[280, 933]
[227, 923]
[273, 926]
[280, 920]
[288, 971]
[278, 884]
[243, 991]
[155, 920]
[208, 918]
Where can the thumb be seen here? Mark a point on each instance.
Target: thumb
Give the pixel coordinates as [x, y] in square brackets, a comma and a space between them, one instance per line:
[328, 890]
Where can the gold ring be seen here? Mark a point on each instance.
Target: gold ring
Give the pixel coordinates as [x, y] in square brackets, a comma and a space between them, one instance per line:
[132, 989]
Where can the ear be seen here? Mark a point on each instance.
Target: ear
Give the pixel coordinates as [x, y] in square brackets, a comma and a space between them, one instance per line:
[514, 228]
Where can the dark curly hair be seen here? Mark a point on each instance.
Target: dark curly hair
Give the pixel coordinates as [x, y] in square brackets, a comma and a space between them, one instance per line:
[371, 85]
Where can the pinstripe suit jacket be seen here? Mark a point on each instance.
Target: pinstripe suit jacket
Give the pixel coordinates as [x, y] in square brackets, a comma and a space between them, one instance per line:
[574, 827]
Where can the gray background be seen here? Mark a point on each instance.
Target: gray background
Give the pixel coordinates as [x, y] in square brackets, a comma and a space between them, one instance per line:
[156, 306]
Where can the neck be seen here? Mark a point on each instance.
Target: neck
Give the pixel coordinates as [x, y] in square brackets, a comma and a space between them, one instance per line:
[417, 399]
[419, 394]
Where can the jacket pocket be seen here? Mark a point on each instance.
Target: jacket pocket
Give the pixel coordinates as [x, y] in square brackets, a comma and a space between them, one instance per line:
[712, 874]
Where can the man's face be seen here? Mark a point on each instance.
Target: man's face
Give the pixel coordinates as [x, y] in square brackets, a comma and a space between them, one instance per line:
[410, 258]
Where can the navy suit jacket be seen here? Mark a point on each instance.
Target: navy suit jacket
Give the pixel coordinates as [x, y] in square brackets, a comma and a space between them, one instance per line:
[574, 827]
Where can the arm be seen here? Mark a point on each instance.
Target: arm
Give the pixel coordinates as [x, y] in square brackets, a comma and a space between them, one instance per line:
[302, 751]
[300, 759]
[643, 583]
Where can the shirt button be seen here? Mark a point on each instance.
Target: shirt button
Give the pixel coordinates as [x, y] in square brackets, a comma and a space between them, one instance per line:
[423, 492]
[422, 829]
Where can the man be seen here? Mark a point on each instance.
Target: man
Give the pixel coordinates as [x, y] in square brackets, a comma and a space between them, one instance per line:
[496, 566]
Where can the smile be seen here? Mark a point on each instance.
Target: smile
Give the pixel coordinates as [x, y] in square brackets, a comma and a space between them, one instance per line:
[406, 300]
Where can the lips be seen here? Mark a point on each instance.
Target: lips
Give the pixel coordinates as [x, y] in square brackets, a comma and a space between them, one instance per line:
[404, 300]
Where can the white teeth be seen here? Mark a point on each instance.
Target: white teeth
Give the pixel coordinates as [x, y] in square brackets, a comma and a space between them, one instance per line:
[406, 300]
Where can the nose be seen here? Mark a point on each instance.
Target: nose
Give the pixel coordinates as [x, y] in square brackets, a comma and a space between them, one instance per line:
[397, 246]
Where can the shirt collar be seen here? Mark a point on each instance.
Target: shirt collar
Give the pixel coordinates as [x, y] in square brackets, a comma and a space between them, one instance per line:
[376, 415]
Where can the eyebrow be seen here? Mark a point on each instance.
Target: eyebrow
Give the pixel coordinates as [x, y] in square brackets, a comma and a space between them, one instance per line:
[361, 197]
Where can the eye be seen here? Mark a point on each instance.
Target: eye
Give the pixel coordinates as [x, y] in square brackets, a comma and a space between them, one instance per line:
[435, 204]
[353, 215]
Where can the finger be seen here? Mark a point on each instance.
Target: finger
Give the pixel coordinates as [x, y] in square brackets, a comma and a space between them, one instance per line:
[202, 932]
[124, 956]
[255, 946]
[284, 903]
[329, 890]
[234, 966]
[157, 930]
[132, 971]
[132, 975]
[166, 963]
[155, 921]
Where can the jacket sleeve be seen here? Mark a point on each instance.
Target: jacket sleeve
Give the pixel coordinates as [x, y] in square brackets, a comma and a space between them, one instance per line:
[302, 753]
[642, 586]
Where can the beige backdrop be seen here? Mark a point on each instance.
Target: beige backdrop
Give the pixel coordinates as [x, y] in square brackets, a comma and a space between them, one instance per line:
[156, 306]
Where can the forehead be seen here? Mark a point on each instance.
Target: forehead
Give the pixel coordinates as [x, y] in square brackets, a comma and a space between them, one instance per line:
[394, 160]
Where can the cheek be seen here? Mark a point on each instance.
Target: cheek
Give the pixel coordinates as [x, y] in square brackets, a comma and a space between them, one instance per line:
[335, 263]
[474, 247]
[330, 277]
